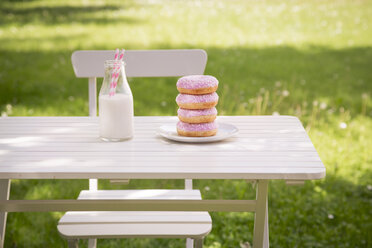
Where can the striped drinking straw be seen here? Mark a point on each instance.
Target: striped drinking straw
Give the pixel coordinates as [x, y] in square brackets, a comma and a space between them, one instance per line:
[116, 71]
[121, 57]
[116, 54]
[114, 74]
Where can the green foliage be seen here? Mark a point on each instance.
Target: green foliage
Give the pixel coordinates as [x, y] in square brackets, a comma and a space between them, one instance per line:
[305, 58]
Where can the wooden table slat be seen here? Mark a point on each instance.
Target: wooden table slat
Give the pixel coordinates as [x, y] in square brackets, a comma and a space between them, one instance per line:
[267, 147]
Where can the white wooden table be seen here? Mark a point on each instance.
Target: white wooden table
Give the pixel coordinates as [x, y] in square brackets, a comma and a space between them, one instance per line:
[266, 148]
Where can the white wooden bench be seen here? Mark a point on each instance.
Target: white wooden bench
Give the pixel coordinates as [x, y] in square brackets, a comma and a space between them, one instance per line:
[92, 225]
[130, 224]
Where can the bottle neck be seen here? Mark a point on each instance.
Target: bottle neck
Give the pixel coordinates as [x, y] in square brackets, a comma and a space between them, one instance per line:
[115, 75]
[112, 64]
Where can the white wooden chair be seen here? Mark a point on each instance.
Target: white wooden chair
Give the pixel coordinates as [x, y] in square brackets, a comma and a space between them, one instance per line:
[193, 226]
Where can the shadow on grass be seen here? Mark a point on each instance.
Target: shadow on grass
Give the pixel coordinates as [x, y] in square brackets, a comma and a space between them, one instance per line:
[337, 77]
[327, 213]
[62, 15]
[323, 213]
[17, 1]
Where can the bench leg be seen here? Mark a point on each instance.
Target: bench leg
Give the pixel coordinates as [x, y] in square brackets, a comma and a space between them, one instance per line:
[92, 243]
[4, 195]
[261, 220]
[198, 243]
[73, 243]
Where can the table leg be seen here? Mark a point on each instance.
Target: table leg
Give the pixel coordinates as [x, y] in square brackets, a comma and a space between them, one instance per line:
[73, 243]
[198, 243]
[266, 230]
[4, 195]
[189, 243]
[261, 220]
[92, 243]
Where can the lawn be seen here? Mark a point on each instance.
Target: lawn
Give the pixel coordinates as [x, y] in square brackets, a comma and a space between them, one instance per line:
[311, 59]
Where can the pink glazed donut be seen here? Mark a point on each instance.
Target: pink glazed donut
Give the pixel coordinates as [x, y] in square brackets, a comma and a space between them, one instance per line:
[207, 101]
[197, 84]
[197, 115]
[196, 130]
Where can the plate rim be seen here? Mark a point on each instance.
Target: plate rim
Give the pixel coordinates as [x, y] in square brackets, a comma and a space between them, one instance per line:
[185, 139]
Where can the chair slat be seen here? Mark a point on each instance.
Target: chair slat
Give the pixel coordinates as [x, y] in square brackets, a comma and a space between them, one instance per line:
[132, 224]
[142, 63]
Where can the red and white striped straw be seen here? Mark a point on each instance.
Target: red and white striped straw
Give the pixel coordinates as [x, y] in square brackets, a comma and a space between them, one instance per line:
[121, 54]
[121, 59]
[115, 74]
[116, 54]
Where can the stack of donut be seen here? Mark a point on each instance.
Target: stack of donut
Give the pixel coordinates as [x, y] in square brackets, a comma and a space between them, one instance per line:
[197, 101]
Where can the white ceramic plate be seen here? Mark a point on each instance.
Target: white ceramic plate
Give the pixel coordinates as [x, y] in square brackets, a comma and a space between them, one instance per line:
[225, 131]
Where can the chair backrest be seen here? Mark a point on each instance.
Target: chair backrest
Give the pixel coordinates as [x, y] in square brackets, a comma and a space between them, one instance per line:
[142, 63]
[139, 63]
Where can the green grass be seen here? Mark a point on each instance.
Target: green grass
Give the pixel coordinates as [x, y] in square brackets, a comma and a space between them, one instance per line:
[311, 59]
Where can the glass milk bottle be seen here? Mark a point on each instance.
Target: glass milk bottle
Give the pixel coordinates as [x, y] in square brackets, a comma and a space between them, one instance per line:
[115, 104]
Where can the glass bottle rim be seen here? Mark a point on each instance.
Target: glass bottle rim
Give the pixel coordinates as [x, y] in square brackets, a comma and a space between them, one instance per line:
[114, 62]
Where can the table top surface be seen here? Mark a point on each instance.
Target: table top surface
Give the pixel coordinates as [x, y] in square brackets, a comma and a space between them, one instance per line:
[267, 147]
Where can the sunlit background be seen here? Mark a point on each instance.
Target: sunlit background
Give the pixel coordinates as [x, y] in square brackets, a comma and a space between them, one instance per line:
[311, 59]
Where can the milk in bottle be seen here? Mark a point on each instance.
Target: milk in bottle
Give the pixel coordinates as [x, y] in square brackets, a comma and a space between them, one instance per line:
[115, 105]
